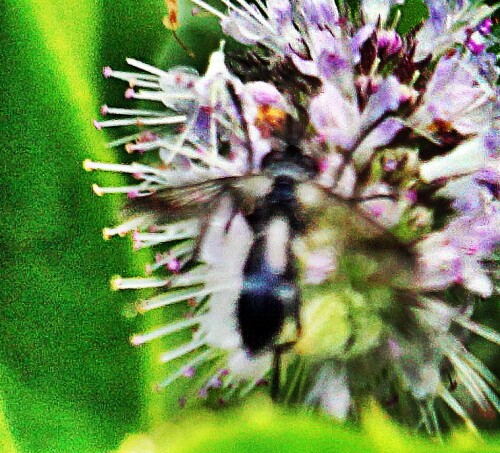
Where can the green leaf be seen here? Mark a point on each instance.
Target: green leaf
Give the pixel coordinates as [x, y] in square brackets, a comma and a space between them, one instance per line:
[257, 427]
[260, 426]
[56, 423]
[62, 331]
[7, 443]
[413, 12]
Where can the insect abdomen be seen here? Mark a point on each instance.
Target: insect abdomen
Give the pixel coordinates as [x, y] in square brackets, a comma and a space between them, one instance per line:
[261, 316]
[269, 292]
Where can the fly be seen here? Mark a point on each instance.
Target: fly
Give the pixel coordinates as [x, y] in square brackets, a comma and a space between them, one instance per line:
[270, 292]
[271, 206]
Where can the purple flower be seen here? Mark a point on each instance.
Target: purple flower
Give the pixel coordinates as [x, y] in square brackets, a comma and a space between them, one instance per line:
[448, 24]
[375, 127]
[457, 99]
[320, 12]
[335, 117]
[485, 26]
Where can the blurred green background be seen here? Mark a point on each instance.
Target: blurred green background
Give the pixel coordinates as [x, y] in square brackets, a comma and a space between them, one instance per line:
[69, 381]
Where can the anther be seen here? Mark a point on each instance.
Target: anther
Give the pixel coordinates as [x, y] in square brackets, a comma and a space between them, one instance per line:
[107, 72]
[97, 190]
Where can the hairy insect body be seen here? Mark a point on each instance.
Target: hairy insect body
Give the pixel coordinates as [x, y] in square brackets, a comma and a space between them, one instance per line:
[270, 292]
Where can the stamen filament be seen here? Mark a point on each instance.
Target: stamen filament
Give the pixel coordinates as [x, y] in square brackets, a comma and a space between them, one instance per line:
[209, 8]
[99, 190]
[140, 339]
[132, 112]
[150, 239]
[181, 351]
[256, 15]
[142, 121]
[124, 228]
[120, 168]
[138, 283]
[161, 95]
[198, 360]
[145, 67]
[483, 331]
[127, 76]
[172, 297]
[454, 405]
[464, 374]
[143, 84]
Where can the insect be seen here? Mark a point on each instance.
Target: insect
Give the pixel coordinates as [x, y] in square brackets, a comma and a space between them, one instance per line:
[275, 211]
[270, 290]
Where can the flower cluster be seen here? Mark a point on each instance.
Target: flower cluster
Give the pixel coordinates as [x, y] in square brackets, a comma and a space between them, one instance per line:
[403, 215]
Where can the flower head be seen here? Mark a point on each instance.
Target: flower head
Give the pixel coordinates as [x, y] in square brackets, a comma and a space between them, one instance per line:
[315, 201]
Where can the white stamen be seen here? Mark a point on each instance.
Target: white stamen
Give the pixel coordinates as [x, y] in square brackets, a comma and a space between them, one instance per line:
[190, 279]
[132, 112]
[144, 121]
[98, 190]
[209, 159]
[142, 146]
[172, 297]
[120, 168]
[454, 405]
[124, 140]
[262, 7]
[209, 8]
[142, 84]
[483, 387]
[162, 95]
[486, 374]
[151, 239]
[177, 251]
[179, 144]
[146, 67]
[203, 357]
[127, 76]
[139, 339]
[138, 283]
[465, 375]
[483, 331]
[124, 228]
[254, 13]
[182, 350]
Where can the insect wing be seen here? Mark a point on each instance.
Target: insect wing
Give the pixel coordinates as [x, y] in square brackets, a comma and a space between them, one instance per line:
[198, 200]
[344, 227]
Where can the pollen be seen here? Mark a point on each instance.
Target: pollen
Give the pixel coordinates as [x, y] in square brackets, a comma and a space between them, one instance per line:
[97, 190]
[87, 165]
[171, 21]
[270, 119]
[440, 127]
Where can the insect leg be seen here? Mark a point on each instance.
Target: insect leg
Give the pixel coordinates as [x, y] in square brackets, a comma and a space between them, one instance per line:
[279, 350]
[197, 246]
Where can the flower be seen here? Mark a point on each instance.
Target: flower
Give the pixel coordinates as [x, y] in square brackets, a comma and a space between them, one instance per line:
[401, 220]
